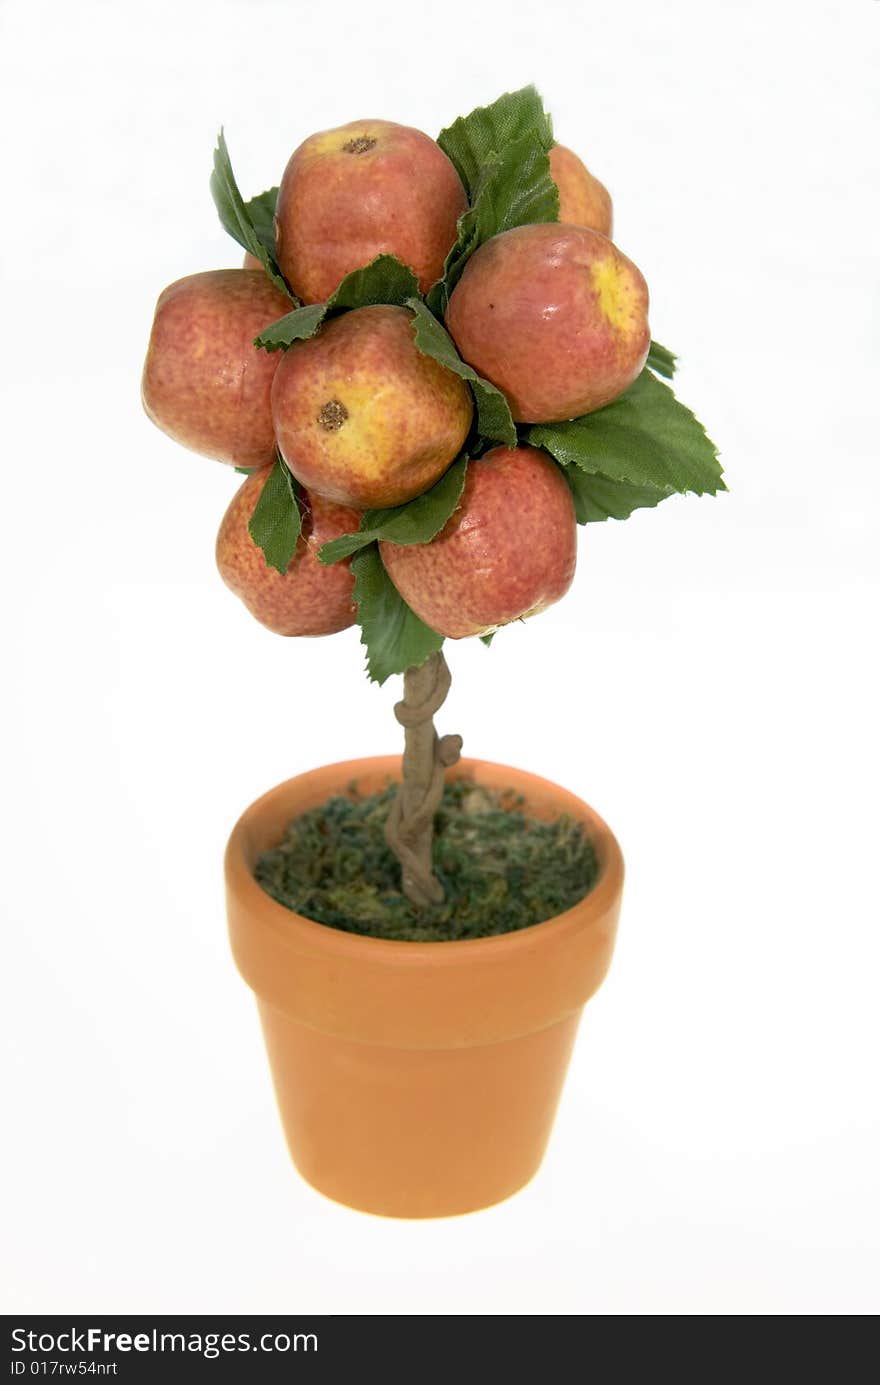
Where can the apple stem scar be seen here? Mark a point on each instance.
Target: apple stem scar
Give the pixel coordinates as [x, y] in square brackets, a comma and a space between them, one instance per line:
[361, 145]
[332, 415]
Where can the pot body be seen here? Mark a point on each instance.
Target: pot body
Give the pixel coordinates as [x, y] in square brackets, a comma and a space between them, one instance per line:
[417, 1079]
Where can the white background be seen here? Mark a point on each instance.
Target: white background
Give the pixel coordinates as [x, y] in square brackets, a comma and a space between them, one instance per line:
[709, 684]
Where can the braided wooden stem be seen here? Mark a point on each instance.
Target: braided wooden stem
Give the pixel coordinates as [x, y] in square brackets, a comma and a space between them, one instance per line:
[409, 830]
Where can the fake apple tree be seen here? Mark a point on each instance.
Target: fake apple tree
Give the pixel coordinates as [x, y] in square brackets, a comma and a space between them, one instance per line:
[428, 341]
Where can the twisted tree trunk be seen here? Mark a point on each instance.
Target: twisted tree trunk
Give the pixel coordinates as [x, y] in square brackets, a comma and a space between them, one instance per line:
[409, 830]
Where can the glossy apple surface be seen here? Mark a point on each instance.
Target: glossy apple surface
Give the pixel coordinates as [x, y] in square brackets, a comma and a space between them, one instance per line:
[309, 598]
[583, 200]
[365, 189]
[205, 384]
[509, 550]
[362, 417]
[555, 316]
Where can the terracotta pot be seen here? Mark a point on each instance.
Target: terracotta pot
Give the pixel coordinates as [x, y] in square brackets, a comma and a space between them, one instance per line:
[417, 1079]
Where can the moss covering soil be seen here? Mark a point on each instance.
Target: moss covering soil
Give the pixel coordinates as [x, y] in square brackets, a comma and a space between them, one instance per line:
[501, 870]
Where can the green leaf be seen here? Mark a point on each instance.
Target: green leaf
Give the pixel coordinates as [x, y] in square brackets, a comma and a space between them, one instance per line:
[646, 438]
[661, 360]
[487, 639]
[394, 637]
[471, 139]
[514, 189]
[276, 522]
[501, 153]
[384, 280]
[295, 326]
[236, 217]
[632, 454]
[418, 521]
[494, 418]
[261, 210]
[597, 498]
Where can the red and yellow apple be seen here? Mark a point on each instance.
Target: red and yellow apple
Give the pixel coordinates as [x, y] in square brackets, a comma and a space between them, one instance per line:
[509, 550]
[309, 598]
[583, 200]
[362, 417]
[204, 381]
[555, 316]
[362, 190]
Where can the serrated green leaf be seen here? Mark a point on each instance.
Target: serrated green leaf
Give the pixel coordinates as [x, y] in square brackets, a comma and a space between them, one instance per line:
[236, 218]
[261, 210]
[394, 637]
[418, 521]
[384, 280]
[501, 152]
[276, 523]
[597, 497]
[494, 418]
[514, 189]
[661, 360]
[471, 139]
[295, 326]
[644, 438]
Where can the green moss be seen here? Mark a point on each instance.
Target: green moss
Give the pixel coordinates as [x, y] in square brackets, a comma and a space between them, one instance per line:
[500, 869]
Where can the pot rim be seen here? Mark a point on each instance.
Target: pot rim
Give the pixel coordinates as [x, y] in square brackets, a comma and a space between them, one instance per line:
[291, 927]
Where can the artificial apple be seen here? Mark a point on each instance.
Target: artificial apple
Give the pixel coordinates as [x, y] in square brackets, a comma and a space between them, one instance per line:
[365, 189]
[583, 200]
[204, 381]
[555, 316]
[362, 417]
[509, 550]
[309, 598]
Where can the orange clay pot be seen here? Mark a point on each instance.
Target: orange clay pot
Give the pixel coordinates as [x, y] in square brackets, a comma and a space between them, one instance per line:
[417, 1079]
